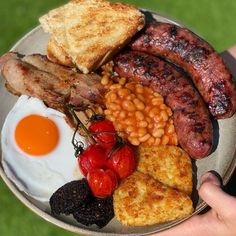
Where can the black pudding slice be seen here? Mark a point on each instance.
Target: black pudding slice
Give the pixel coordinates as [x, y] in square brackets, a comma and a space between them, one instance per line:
[68, 198]
[99, 211]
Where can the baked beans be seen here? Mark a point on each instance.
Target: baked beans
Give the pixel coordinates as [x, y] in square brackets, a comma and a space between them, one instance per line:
[137, 112]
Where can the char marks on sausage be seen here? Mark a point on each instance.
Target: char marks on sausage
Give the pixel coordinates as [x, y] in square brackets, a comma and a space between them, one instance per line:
[191, 117]
[198, 58]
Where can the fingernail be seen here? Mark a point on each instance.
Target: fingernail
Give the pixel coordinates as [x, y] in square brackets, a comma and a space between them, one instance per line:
[217, 175]
[206, 177]
[212, 176]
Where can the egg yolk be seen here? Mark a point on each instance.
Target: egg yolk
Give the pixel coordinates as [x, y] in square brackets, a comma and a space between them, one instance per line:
[36, 135]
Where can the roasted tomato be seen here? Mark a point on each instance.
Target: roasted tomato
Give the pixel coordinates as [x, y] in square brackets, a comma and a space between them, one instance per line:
[102, 182]
[121, 160]
[91, 158]
[103, 132]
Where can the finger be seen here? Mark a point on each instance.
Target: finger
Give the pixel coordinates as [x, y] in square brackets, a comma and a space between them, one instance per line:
[185, 229]
[211, 192]
[213, 177]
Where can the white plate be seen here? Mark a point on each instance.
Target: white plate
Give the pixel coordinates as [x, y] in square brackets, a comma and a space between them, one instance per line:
[222, 159]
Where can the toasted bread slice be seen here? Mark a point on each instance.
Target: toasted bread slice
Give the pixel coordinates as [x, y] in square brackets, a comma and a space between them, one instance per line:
[57, 54]
[92, 31]
[169, 164]
[140, 200]
[53, 23]
[96, 30]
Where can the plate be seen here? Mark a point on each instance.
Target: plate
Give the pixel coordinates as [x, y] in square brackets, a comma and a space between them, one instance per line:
[222, 160]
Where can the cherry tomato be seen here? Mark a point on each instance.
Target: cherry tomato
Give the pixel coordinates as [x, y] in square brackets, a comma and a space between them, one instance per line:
[102, 182]
[121, 161]
[99, 128]
[91, 158]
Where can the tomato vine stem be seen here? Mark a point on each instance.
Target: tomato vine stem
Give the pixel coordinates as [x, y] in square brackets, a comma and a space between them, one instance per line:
[81, 125]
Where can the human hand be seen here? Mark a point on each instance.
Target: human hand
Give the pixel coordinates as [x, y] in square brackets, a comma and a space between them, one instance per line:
[219, 221]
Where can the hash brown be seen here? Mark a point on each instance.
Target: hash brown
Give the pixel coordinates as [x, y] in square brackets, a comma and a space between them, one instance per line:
[170, 165]
[140, 200]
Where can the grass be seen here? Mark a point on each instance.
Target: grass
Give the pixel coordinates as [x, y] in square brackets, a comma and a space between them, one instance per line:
[213, 20]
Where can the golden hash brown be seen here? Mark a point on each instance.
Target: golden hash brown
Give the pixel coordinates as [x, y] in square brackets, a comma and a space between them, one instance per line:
[169, 164]
[140, 200]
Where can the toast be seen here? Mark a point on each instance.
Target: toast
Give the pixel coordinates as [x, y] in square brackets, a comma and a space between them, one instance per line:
[168, 164]
[57, 54]
[53, 23]
[92, 31]
[140, 200]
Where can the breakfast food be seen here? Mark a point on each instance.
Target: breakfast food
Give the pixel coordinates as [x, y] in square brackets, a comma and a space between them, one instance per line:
[140, 115]
[93, 157]
[168, 164]
[69, 197]
[27, 161]
[190, 114]
[57, 54]
[158, 108]
[103, 164]
[102, 130]
[206, 68]
[56, 85]
[98, 211]
[75, 198]
[102, 182]
[121, 160]
[90, 43]
[140, 200]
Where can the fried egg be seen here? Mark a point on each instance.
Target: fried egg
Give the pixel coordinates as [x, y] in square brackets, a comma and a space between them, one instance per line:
[37, 153]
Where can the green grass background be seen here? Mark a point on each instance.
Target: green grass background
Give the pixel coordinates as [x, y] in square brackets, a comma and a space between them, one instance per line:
[214, 20]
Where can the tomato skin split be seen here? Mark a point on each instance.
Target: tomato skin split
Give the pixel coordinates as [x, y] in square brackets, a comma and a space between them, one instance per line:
[121, 161]
[103, 132]
[102, 182]
[91, 158]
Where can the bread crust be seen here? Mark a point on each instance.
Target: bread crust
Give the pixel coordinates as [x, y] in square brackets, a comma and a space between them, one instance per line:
[57, 54]
[92, 31]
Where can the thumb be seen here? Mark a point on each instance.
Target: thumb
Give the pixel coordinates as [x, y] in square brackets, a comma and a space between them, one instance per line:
[211, 192]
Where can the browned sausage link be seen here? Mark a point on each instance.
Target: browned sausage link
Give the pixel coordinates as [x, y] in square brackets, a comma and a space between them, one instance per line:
[198, 58]
[191, 117]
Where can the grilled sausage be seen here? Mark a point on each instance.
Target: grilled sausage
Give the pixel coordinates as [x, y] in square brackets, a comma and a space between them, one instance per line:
[191, 117]
[198, 58]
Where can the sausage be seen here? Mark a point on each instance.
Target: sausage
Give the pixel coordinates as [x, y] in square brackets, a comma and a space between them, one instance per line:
[191, 117]
[206, 68]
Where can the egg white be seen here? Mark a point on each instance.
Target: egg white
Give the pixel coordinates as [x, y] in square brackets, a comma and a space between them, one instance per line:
[40, 176]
